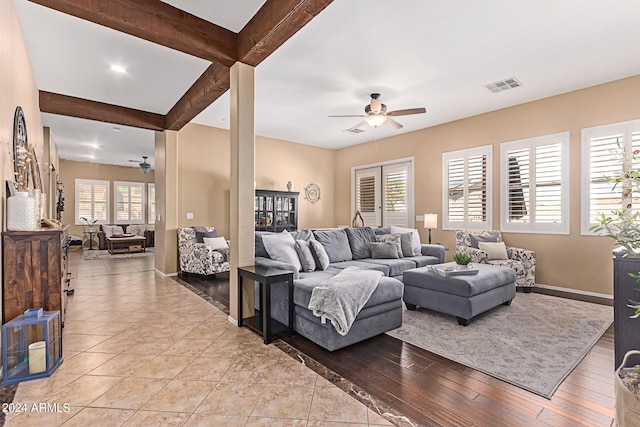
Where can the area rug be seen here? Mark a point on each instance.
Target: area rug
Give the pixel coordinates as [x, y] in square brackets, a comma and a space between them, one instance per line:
[104, 254]
[534, 343]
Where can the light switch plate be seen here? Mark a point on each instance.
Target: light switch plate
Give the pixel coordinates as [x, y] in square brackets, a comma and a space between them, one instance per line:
[189, 215]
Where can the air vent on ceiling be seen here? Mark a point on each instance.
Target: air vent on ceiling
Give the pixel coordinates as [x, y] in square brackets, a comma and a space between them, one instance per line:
[503, 85]
[353, 130]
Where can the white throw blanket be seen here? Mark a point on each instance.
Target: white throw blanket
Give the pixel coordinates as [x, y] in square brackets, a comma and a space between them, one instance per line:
[341, 297]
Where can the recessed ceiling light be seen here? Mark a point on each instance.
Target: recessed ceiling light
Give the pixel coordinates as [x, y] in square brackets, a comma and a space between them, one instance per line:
[116, 129]
[118, 69]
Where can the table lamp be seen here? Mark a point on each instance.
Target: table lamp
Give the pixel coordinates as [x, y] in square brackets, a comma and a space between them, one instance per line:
[430, 221]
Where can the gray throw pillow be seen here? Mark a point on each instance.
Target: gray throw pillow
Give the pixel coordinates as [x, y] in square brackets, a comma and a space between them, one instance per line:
[476, 238]
[321, 257]
[335, 243]
[305, 255]
[393, 238]
[359, 239]
[281, 247]
[383, 250]
[200, 235]
[260, 250]
[415, 238]
[406, 242]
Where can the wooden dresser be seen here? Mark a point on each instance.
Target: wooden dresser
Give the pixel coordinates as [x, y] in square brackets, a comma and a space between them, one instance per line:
[34, 271]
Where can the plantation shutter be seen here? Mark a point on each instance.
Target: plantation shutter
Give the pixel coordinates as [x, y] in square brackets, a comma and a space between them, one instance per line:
[548, 195]
[466, 189]
[92, 200]
[477, 189]
[368, 195]
[395, 195]
[129, 202]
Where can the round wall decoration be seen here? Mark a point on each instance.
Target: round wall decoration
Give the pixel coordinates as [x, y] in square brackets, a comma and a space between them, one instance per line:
[312, 193]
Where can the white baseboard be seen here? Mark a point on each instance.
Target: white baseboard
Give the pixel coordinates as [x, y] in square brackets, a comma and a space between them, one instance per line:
[165, 274]
[575, 291]
[232, 320]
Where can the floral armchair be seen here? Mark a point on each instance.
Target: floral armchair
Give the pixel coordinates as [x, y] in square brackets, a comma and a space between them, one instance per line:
[199, 258]
[523, 261]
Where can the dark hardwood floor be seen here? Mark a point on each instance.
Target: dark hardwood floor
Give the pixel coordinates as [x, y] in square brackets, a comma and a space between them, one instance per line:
[433, 391]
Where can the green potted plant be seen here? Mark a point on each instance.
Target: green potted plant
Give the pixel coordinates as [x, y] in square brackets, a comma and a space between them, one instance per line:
[462, 259]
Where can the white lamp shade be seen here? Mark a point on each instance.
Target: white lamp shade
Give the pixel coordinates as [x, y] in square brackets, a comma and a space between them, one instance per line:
[375, 120]
[430, 220]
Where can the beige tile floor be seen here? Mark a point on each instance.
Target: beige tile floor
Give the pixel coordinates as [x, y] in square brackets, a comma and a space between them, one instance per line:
[142, 350]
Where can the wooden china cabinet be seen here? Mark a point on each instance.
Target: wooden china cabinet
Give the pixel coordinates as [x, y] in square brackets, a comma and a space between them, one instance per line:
[276, 210]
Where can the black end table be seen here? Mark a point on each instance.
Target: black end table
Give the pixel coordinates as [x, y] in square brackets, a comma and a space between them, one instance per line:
[265, 276]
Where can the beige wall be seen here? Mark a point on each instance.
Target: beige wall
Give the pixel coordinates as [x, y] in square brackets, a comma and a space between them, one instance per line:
[17, 88]
[70, 171]
[204, 168]
[569, 261]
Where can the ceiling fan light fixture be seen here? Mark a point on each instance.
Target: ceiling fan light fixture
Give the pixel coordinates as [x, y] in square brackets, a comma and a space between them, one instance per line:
[375, 120]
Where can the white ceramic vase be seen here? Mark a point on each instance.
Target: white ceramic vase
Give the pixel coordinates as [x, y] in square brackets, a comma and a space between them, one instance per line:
[21, 212]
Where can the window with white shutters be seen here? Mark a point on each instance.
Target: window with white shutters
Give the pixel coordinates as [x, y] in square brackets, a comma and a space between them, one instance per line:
[129, 202]
[466, 189]
[601, 150]
[92, 201]
[151, 203]
[534, 185]
[384, 194]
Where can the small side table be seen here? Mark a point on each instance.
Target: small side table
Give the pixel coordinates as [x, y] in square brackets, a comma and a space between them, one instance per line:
[90, 233]
[265, 276]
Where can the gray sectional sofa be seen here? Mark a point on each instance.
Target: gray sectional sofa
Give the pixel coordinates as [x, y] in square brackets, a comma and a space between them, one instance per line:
[361, 247]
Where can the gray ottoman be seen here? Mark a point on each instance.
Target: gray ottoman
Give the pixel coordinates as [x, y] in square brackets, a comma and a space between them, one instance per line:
[462, 296]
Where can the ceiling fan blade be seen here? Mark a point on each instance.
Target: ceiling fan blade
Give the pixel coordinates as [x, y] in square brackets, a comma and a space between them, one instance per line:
[392, 123]
[349, 115]
[407, 112]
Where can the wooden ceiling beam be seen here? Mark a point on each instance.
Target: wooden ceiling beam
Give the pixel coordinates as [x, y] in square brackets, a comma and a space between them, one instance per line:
[93, 110]
[210, 86]
[274, 24]
[157, 22]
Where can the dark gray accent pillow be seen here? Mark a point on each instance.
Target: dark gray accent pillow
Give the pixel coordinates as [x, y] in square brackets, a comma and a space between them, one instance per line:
[359, 239]
[474, 238]
[321, 257]
[260, 249]
[395, 239]
[383, 250]
[336, 244]
[200, 235]
[306, 257]
[382, 230]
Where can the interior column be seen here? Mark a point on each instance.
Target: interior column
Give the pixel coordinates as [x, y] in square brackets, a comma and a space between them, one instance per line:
[242, 176]
[166, 224]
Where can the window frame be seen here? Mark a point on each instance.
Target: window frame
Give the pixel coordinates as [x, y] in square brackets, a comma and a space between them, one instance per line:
[129, 185]
[465, 154]
[627, 129]
[533, 227]
[93, 182]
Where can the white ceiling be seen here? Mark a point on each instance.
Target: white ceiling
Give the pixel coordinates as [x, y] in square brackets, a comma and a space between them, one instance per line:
[416, 53]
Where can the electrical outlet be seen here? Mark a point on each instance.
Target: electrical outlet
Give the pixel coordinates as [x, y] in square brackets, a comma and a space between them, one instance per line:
[189, 215]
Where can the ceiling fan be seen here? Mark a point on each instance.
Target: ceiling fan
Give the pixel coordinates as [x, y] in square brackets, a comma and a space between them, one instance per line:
[376, 114]
[145, 167]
